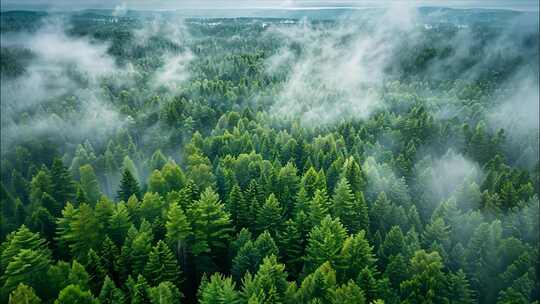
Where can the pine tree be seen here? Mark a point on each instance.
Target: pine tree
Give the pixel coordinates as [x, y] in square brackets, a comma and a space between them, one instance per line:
[237, 207]
[51, 204]
[291, 247]
[41, 183]
[178, 230]
[211, 224]
[89, 183]
[354, 175]
[83, 234]
[158, 160]
[109, 255]
[96, 271]
[140, 294]
[73, 294]
[356, 255]
[343, 206]
[157, 184]
[28, 267]
[428, 282]
[270, 282]
[310, 182]
[128, 187]
[349, 293]
[78, 275]
[24, 294]
[141, 246]
[396, 270]
[164, 293]
[318, 207]
[151, 207]
[109, 293]
[459, 290]
[174, 177]
[393, 244]
[324, 244]
[81, 196]
[21, 239]
[218, 290]
[269, 216]
[62, 185]
[119, 223]
[251, 255]
[162, 266]
[319, 286]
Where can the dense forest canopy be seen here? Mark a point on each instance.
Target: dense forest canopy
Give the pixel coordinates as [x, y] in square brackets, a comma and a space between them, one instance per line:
[321, 156]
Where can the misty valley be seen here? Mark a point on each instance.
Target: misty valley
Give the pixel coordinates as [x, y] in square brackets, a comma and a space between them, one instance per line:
[378, 155]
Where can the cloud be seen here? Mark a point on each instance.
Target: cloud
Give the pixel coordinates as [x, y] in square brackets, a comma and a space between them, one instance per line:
[335, 72]
[59, 94]
[440, 177]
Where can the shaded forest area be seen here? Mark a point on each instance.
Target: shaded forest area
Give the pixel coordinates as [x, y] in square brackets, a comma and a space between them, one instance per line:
[269, 160]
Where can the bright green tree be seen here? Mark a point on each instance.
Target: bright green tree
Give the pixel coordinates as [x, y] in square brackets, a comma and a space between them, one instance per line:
[324, 244]
[211, 224]
[24, 294]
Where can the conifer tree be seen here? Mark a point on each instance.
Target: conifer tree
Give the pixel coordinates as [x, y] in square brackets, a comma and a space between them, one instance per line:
[109, 293]
[24, 294]
[128, 187]
[62, 185]
[119, 223]
[324, 243]
[269, 216]
[28, 267]
[73, 294]
[218, 289]
[211, 224]
[178, 230]
[162, 266]
[89, 183]
[291, 247]
[164, 293]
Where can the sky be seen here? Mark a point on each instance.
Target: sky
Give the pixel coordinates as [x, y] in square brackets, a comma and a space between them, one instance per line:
[250, 4]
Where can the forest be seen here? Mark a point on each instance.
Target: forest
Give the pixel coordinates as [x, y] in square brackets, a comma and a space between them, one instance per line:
[377, 156]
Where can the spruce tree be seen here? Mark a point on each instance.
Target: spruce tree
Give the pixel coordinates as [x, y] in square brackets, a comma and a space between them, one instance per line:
[63, 187]
[128, 187]
[24, 294]
[162, 266]
[109, 293]
[324, 243]
[89, 183]
[73, 294]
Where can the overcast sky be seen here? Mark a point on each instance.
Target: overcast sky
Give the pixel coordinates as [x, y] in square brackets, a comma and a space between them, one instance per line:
[287, 4]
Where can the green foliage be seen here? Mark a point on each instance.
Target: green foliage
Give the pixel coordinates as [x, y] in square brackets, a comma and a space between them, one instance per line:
[427, 197]
[73, 294]
[324, 244]
[218, 290]
[162, 266]
[90, 183]
[128, 186]
[211, 223]
[23, 294]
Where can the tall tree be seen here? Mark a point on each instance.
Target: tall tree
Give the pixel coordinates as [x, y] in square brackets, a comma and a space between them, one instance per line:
[90, 183]
[128, 187]
[324, 243]
[63, 187]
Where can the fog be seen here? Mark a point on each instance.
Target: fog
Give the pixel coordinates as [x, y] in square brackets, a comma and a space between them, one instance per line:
[259, 4]
[64, 70]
